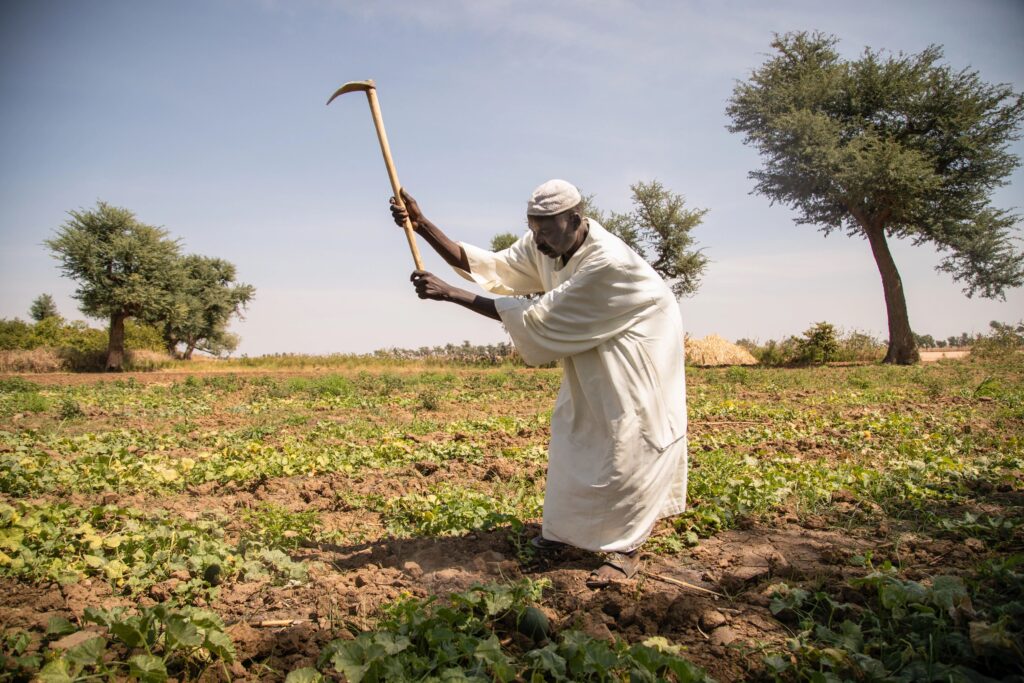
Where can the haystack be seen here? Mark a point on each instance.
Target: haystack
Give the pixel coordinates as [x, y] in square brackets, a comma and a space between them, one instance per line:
[713, 350]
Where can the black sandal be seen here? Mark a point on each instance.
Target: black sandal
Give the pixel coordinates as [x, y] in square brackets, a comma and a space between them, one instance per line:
[546, 545]
[627, 565]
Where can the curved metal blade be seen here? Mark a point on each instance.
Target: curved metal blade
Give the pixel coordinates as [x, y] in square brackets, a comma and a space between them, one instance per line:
[352, 86]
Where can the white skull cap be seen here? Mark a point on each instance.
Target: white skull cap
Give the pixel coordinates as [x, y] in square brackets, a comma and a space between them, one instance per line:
[553, 197]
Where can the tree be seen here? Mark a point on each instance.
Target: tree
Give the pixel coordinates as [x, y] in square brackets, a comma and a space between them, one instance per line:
[658, 229]
[43, 307]
[203, 305]
[881, 147]
[926, 341]
[124, 269]
[503, 241]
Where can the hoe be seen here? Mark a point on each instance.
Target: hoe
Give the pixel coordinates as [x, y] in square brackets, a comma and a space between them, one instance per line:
[371, 95]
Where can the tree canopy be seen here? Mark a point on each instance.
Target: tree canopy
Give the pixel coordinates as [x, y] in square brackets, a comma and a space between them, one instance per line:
[888, 145]
[204, 302]
[124, 268]
[43, 307]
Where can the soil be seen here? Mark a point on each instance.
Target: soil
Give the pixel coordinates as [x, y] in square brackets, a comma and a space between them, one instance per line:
[712, 599]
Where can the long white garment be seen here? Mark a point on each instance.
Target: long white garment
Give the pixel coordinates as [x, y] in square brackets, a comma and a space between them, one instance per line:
[617, 458]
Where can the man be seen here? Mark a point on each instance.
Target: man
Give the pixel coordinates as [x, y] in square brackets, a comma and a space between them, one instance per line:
[617, 458]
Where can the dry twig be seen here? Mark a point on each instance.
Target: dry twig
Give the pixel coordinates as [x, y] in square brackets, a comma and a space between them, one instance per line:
[682, 584]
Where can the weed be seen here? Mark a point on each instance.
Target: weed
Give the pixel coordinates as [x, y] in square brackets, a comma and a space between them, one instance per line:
[429, 399]
[10, 385]
[70, 409]
[274, 526]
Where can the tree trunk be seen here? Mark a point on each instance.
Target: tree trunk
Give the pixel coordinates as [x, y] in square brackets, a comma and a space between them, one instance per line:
[188, 351]
[902, 349]
[115, 343]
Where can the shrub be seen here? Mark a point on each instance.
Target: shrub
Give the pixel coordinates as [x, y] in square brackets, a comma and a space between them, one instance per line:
[818, 346]
[53, 345]
[821, 343]
[777, 353]
[1003, 340]
[860, 346]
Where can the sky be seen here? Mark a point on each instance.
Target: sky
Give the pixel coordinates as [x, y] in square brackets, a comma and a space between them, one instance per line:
[207, 118]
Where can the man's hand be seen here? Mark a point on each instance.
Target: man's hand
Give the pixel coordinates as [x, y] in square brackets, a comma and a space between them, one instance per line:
[430, 286]
[449, 251]
[411, 211]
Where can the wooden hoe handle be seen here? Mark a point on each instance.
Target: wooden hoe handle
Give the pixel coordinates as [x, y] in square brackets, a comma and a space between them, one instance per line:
[371, 95]
[382, 136]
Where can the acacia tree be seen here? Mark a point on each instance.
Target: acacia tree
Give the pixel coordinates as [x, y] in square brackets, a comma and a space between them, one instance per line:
[658, 229]
[888, 146]
[43, 307]
[124, 269]
[203, 304]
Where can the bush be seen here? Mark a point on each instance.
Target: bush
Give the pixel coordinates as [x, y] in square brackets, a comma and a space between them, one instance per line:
[1004, 339]
[860, 346]
[776, 353]
[54, 345]
[15, 334]
[818, 346]
[821, 343]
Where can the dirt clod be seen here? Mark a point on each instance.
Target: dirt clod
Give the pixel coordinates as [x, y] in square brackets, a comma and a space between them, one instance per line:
[723, 635]
[712, 619]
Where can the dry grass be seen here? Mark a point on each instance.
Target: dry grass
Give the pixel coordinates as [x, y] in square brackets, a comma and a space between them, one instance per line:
[712, 350]
[45, 359]
[34, 360]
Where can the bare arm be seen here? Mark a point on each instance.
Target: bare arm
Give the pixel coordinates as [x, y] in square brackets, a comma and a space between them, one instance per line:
[435, 237]
[429, 286]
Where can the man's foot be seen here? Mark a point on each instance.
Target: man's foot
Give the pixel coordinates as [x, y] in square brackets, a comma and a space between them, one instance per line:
[616, 567]
[546, 545]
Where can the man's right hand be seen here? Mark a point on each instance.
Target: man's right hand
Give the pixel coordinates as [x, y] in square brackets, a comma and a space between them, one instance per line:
[410, 211]
[449, 251]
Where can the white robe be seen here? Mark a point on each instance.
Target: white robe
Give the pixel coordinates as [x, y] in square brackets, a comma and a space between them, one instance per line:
[617, 458]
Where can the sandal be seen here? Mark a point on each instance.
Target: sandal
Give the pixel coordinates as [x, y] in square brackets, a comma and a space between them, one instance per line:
[546, 545]
[626, 565]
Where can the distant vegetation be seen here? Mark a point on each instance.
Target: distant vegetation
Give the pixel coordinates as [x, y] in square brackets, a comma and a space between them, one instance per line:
[126, 269]
[54, 344]
[823, 343]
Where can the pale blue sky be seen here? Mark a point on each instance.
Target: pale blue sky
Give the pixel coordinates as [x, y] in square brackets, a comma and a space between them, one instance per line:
[208, 118]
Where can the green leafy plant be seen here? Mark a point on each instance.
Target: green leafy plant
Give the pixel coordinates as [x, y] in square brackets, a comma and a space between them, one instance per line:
[904, 631]
[463, 640]
[452, 510]
[150, 646]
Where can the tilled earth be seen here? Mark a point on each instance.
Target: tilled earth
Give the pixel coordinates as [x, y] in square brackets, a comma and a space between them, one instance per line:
[712, 598]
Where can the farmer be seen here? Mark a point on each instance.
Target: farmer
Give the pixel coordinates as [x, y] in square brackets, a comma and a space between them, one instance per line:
[617, 458]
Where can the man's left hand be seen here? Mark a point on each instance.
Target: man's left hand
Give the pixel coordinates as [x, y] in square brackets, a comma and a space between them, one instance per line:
[429, 286]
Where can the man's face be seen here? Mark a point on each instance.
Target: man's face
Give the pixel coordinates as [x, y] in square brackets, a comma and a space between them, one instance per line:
[554, 235]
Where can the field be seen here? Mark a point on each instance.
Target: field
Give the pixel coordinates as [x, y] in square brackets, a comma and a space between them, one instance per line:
[860, 523]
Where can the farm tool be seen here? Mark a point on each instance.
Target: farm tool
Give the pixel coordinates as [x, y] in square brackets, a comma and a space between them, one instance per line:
[371, 95]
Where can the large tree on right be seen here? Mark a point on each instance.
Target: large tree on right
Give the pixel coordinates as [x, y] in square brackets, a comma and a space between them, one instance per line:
[888, 146]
